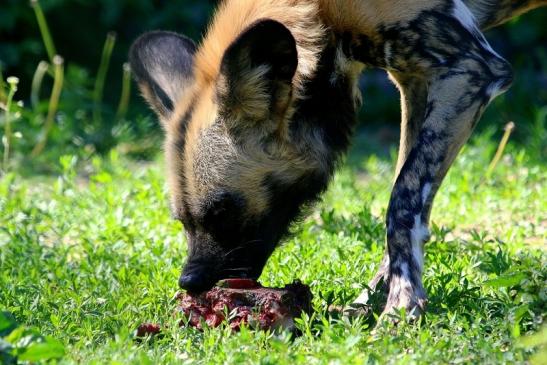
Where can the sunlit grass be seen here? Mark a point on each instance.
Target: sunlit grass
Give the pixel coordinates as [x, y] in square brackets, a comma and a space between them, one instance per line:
[85, 258]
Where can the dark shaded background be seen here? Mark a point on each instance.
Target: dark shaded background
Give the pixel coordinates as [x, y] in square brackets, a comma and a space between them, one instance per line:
[79, 28]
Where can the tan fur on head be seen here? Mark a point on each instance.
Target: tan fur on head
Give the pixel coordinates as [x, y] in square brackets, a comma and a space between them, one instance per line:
[233, 17]
[203, 116]
[251, 100]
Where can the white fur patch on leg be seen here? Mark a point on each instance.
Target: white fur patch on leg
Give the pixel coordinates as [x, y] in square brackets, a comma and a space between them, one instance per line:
[406, 286]
[426, 190]
[418, 234]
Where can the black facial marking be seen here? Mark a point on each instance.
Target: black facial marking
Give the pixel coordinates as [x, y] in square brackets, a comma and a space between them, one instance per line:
[178, 144]
[182, 127]
[222, 217]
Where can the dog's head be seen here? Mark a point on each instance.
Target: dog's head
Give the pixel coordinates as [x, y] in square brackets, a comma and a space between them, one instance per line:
[236, 181]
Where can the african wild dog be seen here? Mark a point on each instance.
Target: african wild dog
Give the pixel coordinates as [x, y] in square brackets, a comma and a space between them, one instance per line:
[258, 115]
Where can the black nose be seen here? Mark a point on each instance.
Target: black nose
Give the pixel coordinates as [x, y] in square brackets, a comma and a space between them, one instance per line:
[194, 282]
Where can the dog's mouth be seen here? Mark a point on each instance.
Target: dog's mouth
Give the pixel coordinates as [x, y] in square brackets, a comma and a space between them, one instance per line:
[198, 280]
[238, 283]
[238, 273]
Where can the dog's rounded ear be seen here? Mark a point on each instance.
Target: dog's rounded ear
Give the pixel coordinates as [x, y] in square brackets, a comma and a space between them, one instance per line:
[257, 69]
[162, 64]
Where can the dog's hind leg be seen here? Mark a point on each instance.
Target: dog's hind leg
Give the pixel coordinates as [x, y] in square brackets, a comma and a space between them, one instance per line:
[465, 79]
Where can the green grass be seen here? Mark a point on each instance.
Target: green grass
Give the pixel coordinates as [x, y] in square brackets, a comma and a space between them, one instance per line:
[90, 252]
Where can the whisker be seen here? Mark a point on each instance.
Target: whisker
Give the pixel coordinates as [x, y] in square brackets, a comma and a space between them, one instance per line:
[245, 245]
[238, 269]
[233, 250]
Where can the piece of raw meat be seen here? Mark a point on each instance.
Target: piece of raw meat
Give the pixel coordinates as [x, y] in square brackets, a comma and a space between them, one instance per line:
[240, 301]
[147, 329]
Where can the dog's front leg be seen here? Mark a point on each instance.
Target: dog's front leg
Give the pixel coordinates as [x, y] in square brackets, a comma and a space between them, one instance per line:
[457, 97]
[413, 91]
[463, 74]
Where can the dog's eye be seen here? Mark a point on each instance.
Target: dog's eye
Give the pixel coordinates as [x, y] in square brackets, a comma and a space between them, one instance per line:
[224, 215]
[224, 203]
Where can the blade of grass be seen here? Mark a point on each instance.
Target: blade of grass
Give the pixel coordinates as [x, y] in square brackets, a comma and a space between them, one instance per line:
[53, 104]
[126, 92]
[6, 139]
[37, 83]
[501, 147]
[101, 76]
[44, 29]
[3, 95]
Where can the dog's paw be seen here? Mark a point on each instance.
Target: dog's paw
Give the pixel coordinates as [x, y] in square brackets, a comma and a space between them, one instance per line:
[408, 305]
